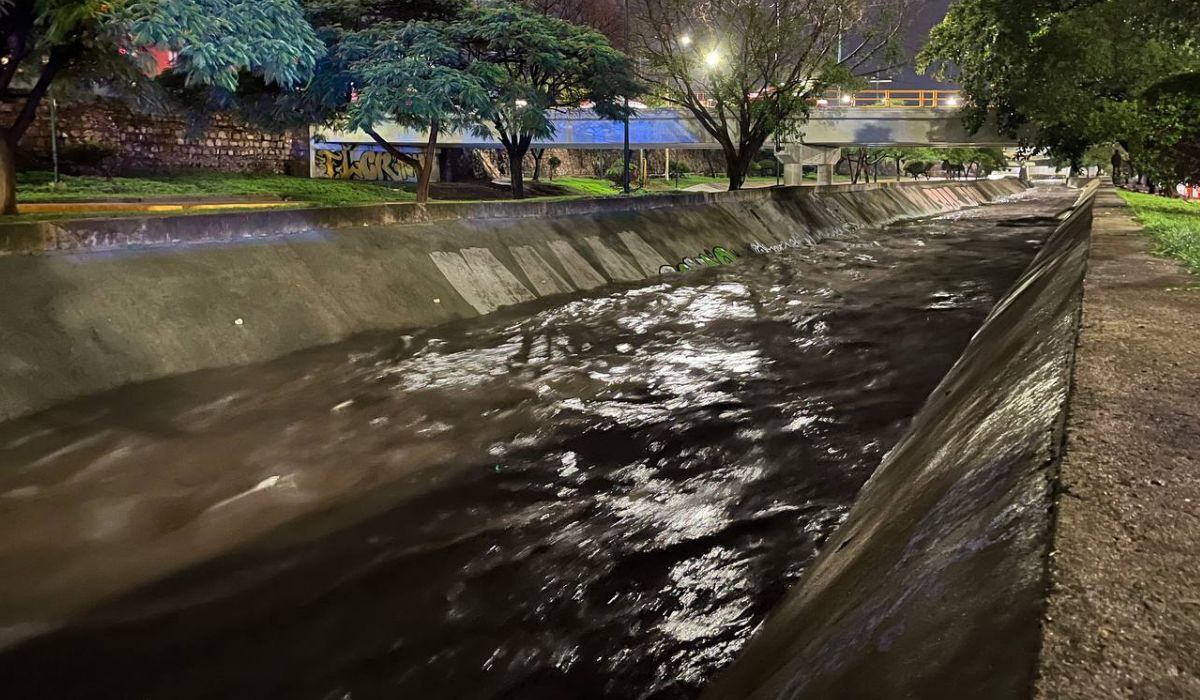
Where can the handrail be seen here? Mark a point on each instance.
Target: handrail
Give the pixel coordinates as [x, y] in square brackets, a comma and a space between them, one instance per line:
[893, 99]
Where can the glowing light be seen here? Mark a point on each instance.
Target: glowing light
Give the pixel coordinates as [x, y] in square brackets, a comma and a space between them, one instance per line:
[952, 101]
[522, 103]
[847, 99]
[713, 59]
[685, 40]
[3, 60]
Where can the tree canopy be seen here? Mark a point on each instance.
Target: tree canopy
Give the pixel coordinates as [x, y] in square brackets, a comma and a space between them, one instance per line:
[102, 42]
[1064, 75]
[533, 65]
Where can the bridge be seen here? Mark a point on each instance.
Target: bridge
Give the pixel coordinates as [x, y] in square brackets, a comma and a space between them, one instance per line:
[837, 120]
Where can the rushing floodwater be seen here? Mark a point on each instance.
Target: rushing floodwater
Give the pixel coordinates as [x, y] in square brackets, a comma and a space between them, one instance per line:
[601, 499]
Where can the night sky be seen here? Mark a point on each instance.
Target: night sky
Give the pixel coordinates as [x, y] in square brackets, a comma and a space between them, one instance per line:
[929, 14]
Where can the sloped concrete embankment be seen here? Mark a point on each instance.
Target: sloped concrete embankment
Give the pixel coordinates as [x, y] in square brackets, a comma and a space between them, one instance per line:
[934, 586]
[89, 305]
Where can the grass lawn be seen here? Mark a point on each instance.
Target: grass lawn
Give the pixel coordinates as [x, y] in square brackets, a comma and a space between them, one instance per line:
[35, 187]
[1174, 224]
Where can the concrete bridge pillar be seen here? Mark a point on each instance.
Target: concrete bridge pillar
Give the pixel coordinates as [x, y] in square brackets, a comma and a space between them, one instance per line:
[795, 156]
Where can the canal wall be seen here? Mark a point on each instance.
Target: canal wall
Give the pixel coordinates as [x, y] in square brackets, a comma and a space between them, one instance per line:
[935, 585]
[92, 304]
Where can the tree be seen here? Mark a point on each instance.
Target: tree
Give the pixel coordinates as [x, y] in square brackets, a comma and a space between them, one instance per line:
[532, 65]
[746, 70]
[215, 42]
[917, 168]
[1064, 75]
[986, 161]
[863, 161]
[411, 73]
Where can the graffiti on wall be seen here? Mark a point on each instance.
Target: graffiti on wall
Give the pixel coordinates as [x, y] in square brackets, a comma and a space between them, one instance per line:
[709, 258]
[349, 161]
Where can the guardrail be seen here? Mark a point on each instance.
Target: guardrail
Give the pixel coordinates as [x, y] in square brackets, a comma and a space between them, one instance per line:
[895, 99]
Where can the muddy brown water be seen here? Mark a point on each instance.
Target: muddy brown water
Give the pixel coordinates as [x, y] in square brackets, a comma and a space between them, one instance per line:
[592, 497]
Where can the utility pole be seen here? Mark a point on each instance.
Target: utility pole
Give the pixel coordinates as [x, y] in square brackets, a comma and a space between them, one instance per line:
[629, 57]
[839, 35]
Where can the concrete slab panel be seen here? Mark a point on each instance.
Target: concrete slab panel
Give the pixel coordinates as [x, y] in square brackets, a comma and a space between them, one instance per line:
[459, 274]
[543, 277]
[500, 285]
[616, 267]
[582, 274]
[644, 255]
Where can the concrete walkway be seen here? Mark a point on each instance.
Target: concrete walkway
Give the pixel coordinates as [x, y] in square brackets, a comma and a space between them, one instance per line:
[1123, 619]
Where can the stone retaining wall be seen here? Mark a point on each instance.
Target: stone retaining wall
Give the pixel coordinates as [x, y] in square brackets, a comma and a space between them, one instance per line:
[148, 142]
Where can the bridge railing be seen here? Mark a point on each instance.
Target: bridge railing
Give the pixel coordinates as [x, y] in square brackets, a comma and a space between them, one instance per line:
[895, 99]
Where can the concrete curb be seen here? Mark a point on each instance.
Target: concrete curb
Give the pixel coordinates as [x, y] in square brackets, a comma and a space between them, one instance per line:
[113, 233]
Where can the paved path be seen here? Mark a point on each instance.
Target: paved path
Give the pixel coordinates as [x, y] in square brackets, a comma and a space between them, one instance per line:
[1124, 611]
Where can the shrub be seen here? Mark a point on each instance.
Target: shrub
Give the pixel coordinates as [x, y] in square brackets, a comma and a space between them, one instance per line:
[680, 168]
[555, 163]
[768, 167]
[616, 173]
[917, 168]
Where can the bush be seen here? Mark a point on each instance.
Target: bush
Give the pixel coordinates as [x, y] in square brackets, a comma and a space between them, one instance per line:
[917, 168]
[555, 163]
[680, 168]
[769, 167]
[616, 173]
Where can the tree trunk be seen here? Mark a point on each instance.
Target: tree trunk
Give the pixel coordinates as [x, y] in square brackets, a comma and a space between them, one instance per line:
[537, 163]
[899, 174]
[737, 165]
[58, 57]
[8, 178]
[425, 173]
[415, 163]
[516, 164]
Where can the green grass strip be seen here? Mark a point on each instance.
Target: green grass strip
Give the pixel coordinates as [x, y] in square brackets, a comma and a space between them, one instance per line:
[1173, 223]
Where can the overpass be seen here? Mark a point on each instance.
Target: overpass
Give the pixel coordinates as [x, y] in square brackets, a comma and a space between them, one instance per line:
[868, 118]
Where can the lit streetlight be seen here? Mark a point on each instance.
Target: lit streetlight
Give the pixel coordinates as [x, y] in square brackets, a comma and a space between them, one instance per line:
[685, 40]
[713, 59]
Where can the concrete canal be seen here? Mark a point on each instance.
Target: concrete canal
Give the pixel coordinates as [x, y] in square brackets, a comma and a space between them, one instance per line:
[598, 495]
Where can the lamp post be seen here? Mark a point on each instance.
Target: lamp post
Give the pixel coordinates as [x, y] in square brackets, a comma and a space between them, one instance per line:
[625, 178]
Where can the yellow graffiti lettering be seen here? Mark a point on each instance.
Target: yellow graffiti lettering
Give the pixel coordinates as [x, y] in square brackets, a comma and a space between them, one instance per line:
[349, 162]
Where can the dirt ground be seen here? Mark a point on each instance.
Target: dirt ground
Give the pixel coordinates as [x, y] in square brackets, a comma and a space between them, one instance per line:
[1123, 619]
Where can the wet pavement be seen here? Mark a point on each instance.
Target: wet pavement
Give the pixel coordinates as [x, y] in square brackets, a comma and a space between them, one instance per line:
[601, 498]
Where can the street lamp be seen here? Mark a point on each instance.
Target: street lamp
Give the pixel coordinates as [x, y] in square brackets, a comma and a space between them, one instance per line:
[625, 177]
[713, 59]
[685, 40]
